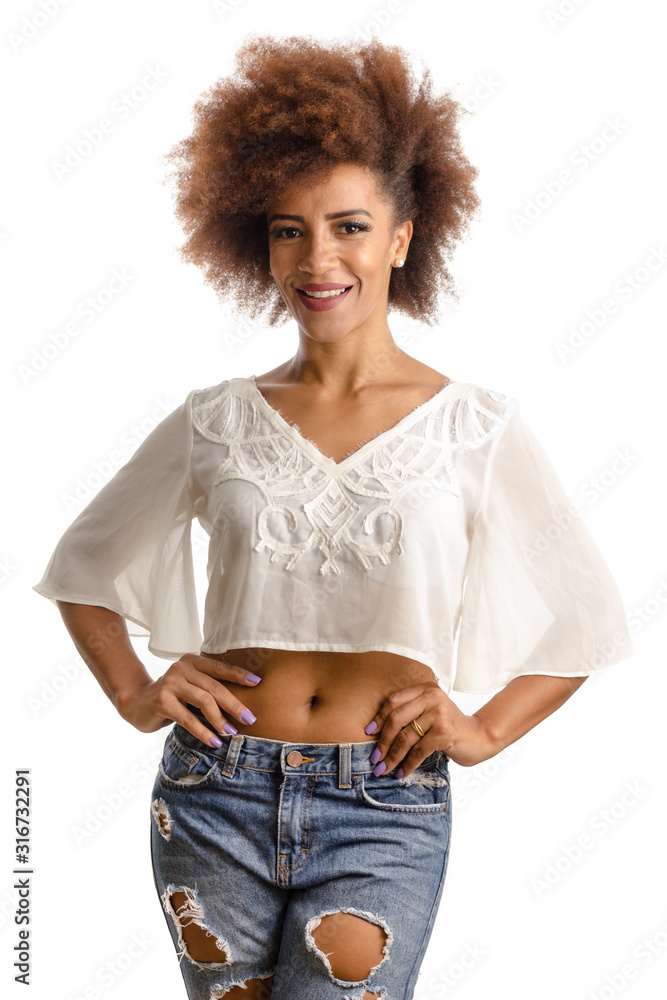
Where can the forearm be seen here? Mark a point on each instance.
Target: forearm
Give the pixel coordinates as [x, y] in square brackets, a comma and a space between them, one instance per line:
[102, 640]
[521, 705]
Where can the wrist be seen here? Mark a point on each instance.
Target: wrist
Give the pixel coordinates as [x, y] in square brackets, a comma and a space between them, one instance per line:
[123, 699]
[489, 739]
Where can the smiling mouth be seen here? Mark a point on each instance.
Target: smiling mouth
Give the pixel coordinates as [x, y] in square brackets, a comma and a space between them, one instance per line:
[324, 295]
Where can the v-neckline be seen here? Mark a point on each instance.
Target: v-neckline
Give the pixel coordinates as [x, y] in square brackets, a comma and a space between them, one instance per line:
[309, 446]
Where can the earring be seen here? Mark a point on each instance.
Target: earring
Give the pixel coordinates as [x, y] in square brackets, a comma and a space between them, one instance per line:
[399, 262]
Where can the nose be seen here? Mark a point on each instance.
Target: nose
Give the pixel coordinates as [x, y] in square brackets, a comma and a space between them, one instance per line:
[318, 255]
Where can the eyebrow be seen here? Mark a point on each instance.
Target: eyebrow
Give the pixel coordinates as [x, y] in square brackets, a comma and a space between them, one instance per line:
[331, 215]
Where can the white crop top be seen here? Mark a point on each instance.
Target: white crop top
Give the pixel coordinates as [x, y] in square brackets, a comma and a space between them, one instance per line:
[447, 538]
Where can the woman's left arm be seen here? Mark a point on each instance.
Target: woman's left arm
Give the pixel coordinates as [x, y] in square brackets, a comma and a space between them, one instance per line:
[520, 705]
[466, 739]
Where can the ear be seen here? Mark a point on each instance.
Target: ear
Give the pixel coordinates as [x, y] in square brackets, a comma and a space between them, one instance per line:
[402, 239]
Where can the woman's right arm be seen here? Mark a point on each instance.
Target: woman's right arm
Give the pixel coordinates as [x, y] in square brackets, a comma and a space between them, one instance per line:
[102, 640]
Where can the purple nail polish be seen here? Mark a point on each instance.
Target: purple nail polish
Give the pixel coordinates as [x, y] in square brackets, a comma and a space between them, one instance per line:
[247, 717]
[380, 769]
[215, 742]
[375, 756]
[229, 728]
[253, 677]
[400, 772]
[370, 728]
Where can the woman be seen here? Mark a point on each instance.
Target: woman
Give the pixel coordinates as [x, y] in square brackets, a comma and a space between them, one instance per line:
[301, 816]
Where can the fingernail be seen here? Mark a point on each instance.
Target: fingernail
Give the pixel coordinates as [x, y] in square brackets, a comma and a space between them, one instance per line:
[215, 741]
[247, 717]
[253, 678]
[229, 728]
[380, 769]
[375, 756]
[400, 772]
[370, 728]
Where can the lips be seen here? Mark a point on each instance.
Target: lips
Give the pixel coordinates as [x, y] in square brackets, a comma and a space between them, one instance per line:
[322, 304]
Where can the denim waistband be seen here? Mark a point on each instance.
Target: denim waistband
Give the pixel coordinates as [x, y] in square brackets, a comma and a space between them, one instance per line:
[342, 759]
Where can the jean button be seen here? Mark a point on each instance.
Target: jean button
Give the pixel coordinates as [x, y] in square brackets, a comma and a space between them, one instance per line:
[294, 758]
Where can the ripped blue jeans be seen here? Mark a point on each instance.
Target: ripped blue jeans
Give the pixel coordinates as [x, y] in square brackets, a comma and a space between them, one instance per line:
[264, 845]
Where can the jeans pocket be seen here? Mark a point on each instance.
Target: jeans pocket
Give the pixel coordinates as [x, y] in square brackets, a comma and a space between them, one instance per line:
[185, 767]
[425, 790]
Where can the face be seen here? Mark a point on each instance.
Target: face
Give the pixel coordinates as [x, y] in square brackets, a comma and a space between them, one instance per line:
[335, 233]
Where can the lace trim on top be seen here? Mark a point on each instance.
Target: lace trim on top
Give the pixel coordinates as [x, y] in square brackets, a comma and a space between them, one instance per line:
[361, 444]
[353, 505]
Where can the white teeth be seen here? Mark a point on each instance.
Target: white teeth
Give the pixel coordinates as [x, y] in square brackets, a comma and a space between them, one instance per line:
[325, 295]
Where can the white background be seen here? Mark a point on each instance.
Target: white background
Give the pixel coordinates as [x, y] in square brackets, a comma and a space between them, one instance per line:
[543, 86]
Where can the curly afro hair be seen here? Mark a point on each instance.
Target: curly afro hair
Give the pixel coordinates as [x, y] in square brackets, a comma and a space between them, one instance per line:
[295, 107]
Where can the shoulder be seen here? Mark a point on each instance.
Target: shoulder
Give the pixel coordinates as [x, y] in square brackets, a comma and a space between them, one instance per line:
[478, 413]
[214, 406]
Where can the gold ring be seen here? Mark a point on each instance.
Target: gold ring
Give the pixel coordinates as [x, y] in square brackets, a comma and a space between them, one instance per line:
[417, 728]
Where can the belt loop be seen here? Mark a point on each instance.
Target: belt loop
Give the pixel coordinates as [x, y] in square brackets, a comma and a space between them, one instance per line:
[344, 765]
[233, 751]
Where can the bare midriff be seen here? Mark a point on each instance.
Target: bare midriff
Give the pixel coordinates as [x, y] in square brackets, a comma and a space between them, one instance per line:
[318, 697]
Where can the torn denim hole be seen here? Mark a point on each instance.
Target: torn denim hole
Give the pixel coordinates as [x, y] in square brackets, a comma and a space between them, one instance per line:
[312, 946]
[192, 913]
[427, 778]
[381, 993]
[161, 816]
[218, 991]
[189, 779]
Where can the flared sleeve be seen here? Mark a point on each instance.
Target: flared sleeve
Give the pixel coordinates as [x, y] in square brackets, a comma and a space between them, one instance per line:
[130, 549]
[538, 596]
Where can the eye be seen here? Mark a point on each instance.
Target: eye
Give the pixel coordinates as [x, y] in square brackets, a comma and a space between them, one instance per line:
[363, 226]
[279, 232]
